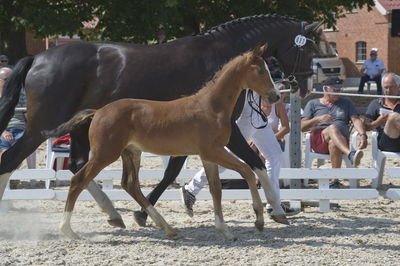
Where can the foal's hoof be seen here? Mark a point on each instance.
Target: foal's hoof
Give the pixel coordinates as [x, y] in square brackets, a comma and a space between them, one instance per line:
[140, 218]
[280, 218]
[173, 236]
[117, 223]
[259, 225]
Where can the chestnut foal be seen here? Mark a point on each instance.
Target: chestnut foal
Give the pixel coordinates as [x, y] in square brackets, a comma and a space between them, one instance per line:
[198, 124]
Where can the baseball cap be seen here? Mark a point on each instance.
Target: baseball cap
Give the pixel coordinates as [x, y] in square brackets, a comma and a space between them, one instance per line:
[374, 51]
[333, 82]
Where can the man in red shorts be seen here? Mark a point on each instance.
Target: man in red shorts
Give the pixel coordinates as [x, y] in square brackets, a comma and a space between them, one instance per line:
[328, 119]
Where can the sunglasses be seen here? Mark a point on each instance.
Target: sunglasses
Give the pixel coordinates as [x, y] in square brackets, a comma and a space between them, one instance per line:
[4, 61]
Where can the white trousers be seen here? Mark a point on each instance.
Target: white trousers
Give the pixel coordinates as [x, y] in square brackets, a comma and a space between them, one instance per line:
[264, 139]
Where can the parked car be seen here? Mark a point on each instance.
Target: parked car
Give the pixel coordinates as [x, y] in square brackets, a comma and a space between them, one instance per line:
[326, 63]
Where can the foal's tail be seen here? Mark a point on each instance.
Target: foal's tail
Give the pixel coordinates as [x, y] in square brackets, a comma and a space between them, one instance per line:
[11, 90]
[80, 118]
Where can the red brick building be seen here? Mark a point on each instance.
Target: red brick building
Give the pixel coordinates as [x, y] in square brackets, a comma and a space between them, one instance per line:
[360, 31]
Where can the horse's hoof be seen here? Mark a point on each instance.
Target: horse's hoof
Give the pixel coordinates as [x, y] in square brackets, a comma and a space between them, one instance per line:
[230, 237]
[173, 236]
[259, 226]
[280, 218]
[140, 218]
[117, 223]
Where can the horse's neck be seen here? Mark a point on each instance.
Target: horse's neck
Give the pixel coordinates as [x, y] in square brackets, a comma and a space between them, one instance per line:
[221, 94]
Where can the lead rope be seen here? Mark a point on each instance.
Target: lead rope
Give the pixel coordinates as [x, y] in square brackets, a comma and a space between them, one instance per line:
[251, 100]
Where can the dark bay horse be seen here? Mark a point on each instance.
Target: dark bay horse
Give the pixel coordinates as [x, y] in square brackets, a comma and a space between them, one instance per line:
[66, 79]
[128, 126]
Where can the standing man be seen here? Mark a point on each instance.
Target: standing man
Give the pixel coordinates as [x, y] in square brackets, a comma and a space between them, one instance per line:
[328, 120]
[372, 69]
[384, 115]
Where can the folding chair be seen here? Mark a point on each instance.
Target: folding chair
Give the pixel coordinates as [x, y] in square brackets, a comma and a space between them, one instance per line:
[53, 153]
[379, 160]
[310, 156]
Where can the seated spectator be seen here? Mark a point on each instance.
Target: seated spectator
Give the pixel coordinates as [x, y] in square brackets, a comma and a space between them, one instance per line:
[16, 126]
[372, 69]
[4, 73]
[383, 115]
[328, 120]
[3, 61]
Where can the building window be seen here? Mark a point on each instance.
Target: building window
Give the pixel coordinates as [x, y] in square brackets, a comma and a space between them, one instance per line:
[333, 44]
[361, 52]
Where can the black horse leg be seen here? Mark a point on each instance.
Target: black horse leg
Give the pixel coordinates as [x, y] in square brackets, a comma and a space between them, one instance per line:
[79, 156]
[13, 157]
[171, 172]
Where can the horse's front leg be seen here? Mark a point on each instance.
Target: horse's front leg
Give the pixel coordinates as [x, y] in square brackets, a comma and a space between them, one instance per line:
[238, 145]
[221, 157]
[175, 165]
[10, 159]
[78, 157]
[214, 183]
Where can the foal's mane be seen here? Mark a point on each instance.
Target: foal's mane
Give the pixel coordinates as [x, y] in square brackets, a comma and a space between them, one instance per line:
[233, 63]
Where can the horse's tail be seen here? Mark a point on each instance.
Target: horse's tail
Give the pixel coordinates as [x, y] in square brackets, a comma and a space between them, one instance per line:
[80, 118]
[12, 89]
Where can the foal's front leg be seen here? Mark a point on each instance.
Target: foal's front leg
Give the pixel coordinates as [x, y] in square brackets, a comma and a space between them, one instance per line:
[78, 183]
[222, 157]
[214, 183]
[79, 155]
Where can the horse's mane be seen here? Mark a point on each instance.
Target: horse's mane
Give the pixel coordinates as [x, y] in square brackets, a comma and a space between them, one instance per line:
[248, 21]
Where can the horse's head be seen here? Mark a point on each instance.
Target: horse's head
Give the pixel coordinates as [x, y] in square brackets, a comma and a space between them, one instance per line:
[295, 56]
[258, 76]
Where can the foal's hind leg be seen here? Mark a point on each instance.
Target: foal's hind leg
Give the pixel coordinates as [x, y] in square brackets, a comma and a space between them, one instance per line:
[222, 157]
[130, 182]
[214, 183]
[78, 157]
[171, 172]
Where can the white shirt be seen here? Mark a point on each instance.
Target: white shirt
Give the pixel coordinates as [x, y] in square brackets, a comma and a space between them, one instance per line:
[373, 67]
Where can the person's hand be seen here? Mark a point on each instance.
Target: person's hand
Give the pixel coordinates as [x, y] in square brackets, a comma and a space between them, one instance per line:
[8, 136]
[362, 144]
[325, 118]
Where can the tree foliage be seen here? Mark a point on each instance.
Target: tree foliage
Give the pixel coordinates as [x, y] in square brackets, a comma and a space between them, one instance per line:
[140, 21]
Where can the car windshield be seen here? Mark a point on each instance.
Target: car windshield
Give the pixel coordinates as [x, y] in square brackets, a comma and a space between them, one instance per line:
[325, 50]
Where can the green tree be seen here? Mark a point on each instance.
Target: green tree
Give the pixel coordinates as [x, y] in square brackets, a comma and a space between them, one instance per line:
[139, 21]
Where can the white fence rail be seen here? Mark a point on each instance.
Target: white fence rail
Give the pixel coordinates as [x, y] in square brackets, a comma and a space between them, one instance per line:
[108, 177]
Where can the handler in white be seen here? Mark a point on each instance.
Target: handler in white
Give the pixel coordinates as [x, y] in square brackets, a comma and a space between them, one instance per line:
[264, 138]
